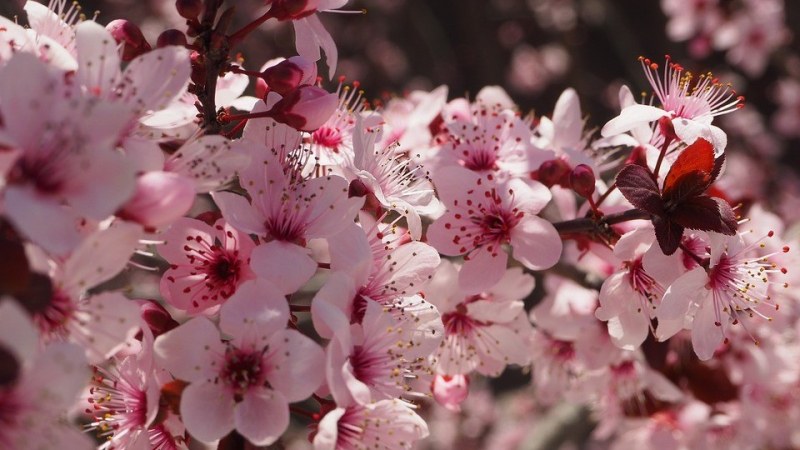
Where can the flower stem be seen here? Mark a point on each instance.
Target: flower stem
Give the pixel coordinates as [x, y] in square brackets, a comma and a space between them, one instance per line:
[588, 224]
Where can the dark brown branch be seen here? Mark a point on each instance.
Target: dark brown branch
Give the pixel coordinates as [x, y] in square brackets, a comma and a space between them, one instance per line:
[590, 224]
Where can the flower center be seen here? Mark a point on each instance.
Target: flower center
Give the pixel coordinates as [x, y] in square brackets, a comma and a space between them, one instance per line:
[242, 370]
[327, 137]
[458, 322]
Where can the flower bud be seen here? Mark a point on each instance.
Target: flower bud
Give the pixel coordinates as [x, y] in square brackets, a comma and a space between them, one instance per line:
[171, 37]
[156, 317]
[305, 108]
[638, 156]
[582, 180]
[450, 390]
[292, 9]
[189, 9]
[128, 34]
[552, 172]
[289, 74]
[160, 199]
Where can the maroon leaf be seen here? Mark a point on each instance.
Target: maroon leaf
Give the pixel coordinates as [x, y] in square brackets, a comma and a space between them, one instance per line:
[668, 235]
[696, 159]
[718, 163]
[706, 214]
[638, 187]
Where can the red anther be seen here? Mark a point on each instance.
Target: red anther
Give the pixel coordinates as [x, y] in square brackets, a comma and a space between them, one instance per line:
[786, 249]
[771, 233]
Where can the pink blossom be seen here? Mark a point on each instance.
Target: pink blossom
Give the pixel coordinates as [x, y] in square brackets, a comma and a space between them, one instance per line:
[736, 283]
[160, 198]
[207, 264]
[483, 216]
[483, 332]
[450, 391]
[245, 383]
[286, 211]
[689, 101]
[387, 423]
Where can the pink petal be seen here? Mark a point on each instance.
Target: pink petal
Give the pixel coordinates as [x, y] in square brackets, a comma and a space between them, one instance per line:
[706, 334]
[328, 431]
[155, 79]
[254, 311]
[453, 184]
[184, 232]
[298, 364]
[207, 410]
[631, 117]
[160, 199]
[105, 168]
[101, 256]
[58, 375]
[482, 271]
[536, 243]
[614, 293]
[442, 233]
[113, 320]
[98, 59]
[42, 219]
[288, 266]
[262, 416]
[311, 35]
[687, 288]
[568, 120]
[191, 350]
[239, 213]
[333, 304]
[350, 252]
[23, 115]
[629, 329]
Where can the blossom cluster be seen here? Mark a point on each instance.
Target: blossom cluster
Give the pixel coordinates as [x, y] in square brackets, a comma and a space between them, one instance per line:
[351, 263]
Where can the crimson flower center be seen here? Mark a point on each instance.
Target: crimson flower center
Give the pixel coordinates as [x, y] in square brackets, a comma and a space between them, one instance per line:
[242, 370]
[328, 137]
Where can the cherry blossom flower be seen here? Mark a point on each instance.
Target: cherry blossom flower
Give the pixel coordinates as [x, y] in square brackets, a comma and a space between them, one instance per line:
[384, 266]
[391, 178]
[245, 383]
[736, 283]
[690, 102]
[207, 264]
[483, 332]
[380, 357]
[332, 143]
[483, 216]
[387, 423]
[629, 297]
[42, 387]
[287, 213]
[66, 157]
[408, 119]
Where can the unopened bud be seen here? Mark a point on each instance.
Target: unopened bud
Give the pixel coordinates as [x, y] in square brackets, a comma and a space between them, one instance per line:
[450, 390]
[289, 74]
[160, 199]
[553, 172]
[156, 317]
[667, 129]
[189, 9]
[171, 37]
[638, 156]
[582, 180]
[305, 108]
[131, 38]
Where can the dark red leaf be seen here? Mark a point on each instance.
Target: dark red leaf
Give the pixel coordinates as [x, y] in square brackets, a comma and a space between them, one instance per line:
[698, 157]
[689, 185]
[718, 163]
[638, 187]
[668, 235]
[706, 214]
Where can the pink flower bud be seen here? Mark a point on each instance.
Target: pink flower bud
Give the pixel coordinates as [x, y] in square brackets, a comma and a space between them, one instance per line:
[305, 108]
[156, 317]
[450, 390]
[189, 9]
[292, 9]
[160, 199]
[582, 180]
[171, 37]
[128, 34]
[289, 74]
[637, 156]
[667, 129]
[553, 172]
